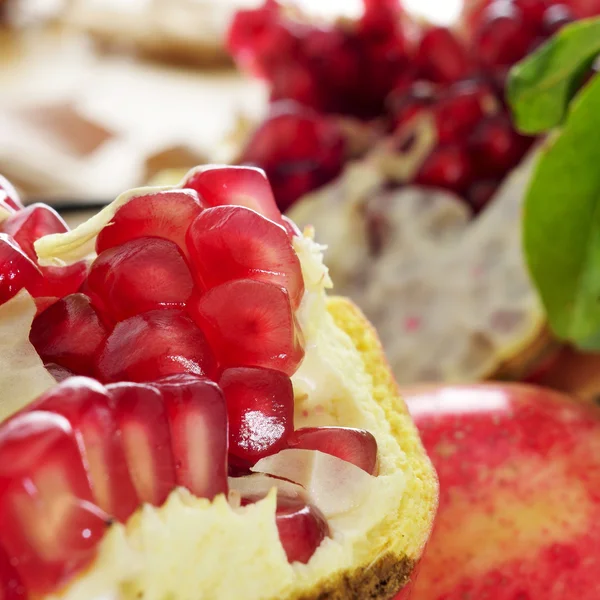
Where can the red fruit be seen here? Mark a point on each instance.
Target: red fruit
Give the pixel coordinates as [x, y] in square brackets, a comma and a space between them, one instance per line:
[503, 36]
[8, 195]
[302, 527]
[198, 423]
[356, 446]
[405, 102]
[446, 167]
[11, 587]
[442, 57]
[260, 410]
[556, 17]
[532, 11]
[70, 334]
[62, 281]
[585, 8]
[231, 242]
[380, 18]
[496, 147]
[480, 193]
[241, 186]
[155, 344]
[298, 149]
[250, 323]
[141, 275]
[296, 82]
[17, 271]
[32, 223]
[141, 416]
[85, 404]
[59, 373]
[41, 469]
[165, 214]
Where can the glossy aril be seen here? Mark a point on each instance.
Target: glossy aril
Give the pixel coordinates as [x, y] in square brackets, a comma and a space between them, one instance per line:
[62, 281]
[231, 242]
[58, 372]
[442, 57]
[503, 36]
[380, 17]
[17, 271]
[260, 409]
[198, 422]
[11, 587]
[556, 17]
[447, 167]
[155, 344]
[356, 446]
[32, 223]
[405, 102]
[532, 11]
[41, 469]
[250, 323]
[585, 8]
[165, 214]
[141, 415]
[8, 195]
[140, 275]
[70, 334]
[85, 404]
[298, 149]
[242, 186]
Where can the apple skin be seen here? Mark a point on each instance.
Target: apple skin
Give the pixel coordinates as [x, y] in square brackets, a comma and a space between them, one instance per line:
[519, 514]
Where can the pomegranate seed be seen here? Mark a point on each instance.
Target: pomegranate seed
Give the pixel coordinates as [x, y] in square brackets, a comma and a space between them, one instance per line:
[442, 57]
[9, 196]
[556, 17]
[232, 242]
[355, 446]
[241, 186]
[532, 11]
[461, 107]
[496, 146]
[406, 102]
[17, 271]
[480, 193]
[141, 275]
[198, 423]
[142, 419]
[165, 214]
[69, 333]
[446, 167]
[260, 409]
[296, 82]
[503, 37]
[85, 404]
[59, 373]
[41, 469]
[298, 149]
[11, 587]
[62, 281]
[585, 8]
[32, 223]
[155, 344]
[250, 323]
[380, 18]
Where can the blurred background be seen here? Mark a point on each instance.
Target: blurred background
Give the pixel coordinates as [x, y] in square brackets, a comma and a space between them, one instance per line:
[383, 123]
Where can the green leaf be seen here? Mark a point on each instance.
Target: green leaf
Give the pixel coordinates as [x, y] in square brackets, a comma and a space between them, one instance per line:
[561, 229]
[541, 86]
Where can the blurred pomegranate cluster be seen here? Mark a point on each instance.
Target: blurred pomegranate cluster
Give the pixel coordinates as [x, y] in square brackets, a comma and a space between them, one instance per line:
[385, 69]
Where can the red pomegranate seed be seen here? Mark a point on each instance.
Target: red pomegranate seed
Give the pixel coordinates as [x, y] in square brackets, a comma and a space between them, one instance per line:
[556, 17]
[241, 186]
[198, 423]
[17, 271]
[59, 373]
[585, 8]
[442, 57]
[85, 404]
[70, 334]
[356, 446]
[250, 323]
[405, 102]
[165, 214]
[502, 37]
[62, 281]
[155, 344]
[9, 195]
[480, 193]
[141, 275]
[40, 469]
[296, 82]
[532, 11]
[32, 223]
[446, 167]
[141, 416]
[260, 409]
[231, 242]
[496, 147]
[11, 587]
[380, 18]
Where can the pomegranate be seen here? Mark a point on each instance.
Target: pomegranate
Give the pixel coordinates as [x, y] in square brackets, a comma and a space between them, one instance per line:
[9, 196]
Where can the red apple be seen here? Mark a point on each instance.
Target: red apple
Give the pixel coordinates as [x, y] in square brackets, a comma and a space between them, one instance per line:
[519, 515]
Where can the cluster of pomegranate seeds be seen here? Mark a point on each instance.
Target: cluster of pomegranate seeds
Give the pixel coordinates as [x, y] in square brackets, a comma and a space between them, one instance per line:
[173, 351]
[384, 67]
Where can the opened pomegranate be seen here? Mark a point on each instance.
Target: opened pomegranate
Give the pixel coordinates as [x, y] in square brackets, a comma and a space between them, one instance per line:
[174, 358]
